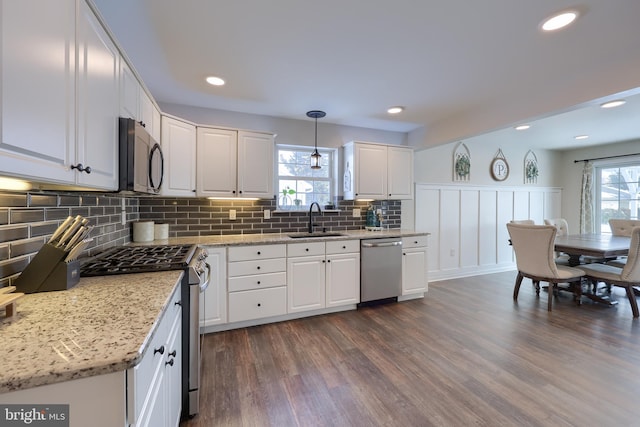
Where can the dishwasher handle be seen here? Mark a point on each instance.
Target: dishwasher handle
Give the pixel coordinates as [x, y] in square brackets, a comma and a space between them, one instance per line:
[381, 245]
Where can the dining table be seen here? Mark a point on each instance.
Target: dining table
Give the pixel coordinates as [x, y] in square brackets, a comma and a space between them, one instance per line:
[603, 246]
[595, 245]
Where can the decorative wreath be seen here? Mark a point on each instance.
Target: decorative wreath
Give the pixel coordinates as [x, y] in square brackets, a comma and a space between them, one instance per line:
[463, 165]
[532, 170]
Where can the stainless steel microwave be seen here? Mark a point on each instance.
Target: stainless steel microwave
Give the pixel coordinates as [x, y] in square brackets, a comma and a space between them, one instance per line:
[141, 161]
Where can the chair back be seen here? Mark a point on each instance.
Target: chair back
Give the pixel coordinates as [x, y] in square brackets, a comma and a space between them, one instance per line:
[631, 270]
[533, 245]
[560, 224]
[622, 227]
[523, 221]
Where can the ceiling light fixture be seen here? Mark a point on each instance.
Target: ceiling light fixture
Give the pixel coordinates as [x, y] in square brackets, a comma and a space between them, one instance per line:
[613, 104]
[522, 127]
[581, 137]
[395, 110]
[315, 156]
[215, 81]
[560, 20]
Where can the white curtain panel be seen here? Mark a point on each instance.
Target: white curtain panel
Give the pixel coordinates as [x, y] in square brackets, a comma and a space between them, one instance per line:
[586, 200]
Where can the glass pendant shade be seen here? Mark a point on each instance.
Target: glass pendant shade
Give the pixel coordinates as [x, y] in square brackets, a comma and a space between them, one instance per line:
[315, 156]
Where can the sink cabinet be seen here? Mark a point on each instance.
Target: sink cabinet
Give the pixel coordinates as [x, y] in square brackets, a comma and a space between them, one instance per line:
[414, 265]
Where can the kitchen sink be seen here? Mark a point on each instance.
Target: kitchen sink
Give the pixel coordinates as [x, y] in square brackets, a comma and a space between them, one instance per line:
[314, 235]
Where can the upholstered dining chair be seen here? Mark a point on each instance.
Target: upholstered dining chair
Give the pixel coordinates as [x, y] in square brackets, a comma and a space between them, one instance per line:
[563, 229]
[627, 277]
[533, 246]
[621, 227]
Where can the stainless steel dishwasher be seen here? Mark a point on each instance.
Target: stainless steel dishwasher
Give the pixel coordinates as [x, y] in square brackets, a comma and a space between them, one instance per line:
[380, 269]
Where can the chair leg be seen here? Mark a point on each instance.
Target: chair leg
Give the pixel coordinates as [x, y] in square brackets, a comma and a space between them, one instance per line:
[550, 295]
[516, 288]
[632, 301]
[536, 283]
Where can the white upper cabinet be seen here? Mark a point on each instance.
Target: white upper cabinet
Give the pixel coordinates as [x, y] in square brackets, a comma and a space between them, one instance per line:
[377, 171]
[37, 119]
[149, 116]
[46, 135]
[179, 150]
[255, 164]
[136, 104]
[217, 157]
[234, 163]
[98, 104]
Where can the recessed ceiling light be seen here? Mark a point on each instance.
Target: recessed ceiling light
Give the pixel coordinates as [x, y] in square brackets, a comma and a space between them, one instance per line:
[216, 81]
[560, 20]
[395, 110]
[522, 127]
[613, 104]
[581, 137]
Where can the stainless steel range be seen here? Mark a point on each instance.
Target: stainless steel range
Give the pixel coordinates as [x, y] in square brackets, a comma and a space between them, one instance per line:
[140, 259]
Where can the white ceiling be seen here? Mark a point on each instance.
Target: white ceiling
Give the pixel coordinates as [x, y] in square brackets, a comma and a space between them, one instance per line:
[461, 68]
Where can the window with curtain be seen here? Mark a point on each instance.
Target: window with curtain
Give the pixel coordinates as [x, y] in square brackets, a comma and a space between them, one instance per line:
[298, 184]
[617, 193]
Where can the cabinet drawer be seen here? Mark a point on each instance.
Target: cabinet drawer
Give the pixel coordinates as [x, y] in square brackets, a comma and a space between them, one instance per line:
[257, 281]
[343, 247]
[415, 241]
[247, 305]
[305, 249]
[253, 252]
[243, 268]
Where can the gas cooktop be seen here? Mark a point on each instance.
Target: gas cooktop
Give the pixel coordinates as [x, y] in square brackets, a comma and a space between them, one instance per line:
[139, 259]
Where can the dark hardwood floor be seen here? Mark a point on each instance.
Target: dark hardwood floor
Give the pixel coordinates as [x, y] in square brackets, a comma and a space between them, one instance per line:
[464, 355]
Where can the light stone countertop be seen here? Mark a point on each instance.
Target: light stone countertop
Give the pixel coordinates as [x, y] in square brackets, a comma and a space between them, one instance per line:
[101, 325]
[274, 238]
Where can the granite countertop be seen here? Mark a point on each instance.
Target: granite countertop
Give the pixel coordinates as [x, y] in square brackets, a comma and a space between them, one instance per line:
[274, 238]
[101, 325]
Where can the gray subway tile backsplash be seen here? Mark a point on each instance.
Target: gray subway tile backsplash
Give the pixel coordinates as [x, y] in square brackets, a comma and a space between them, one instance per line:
[28, 220]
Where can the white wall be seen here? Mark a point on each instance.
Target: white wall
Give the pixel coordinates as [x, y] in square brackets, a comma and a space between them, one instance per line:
[289, 131]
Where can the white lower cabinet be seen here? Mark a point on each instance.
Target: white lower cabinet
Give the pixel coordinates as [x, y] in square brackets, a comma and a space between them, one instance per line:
[323, 275]
[154, 385]
[414, 265]
[213, 304]
[257, 282]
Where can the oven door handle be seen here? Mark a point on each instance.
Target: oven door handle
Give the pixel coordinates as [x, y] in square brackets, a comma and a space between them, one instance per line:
[205, 283]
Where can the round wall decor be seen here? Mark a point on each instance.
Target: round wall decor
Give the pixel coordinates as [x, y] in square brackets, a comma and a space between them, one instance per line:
[499, 167]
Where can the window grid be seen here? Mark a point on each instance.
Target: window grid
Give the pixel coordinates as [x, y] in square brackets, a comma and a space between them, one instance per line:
[618, 193]
[298, 184]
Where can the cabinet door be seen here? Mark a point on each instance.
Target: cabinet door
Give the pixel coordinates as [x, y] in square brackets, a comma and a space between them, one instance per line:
[213, 305]
[343, 279]
[37, 114]
[149, 115]
[173, 375]
[98, 103]
[179, 149]
[129, 93]
[399, 173]
[216, 162]
[255, 164]
[306, 283]
[414, 270]
[370, 169]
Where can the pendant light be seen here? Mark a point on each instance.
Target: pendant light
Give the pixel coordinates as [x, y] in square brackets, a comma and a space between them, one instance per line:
[315, 156]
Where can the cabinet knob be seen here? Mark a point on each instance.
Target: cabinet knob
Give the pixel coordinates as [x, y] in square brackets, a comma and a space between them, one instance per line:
[159, 350]
[234, 191]
[258, 252]
[415, 242]
[323, 261]
[240, 191]
[177, 303]
[170, 362]
[142, 124]
[172, 354]
[403, 253]
[258, 267]
[328, 260]
[344, 247]
[259, 305]
[307, 249]
[258, 282]
[81, 168]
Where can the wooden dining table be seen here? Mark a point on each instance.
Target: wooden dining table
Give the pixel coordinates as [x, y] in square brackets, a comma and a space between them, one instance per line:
[596, 245]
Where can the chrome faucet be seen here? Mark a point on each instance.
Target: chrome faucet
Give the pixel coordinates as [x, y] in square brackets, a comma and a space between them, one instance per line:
[311, 224]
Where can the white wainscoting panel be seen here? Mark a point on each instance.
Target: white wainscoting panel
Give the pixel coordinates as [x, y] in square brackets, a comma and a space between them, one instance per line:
[468, 224]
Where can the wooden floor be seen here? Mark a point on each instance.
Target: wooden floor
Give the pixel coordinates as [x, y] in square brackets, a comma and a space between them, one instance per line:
[464, 355]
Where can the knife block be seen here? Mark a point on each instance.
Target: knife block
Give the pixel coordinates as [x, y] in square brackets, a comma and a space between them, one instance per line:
[47, 271]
